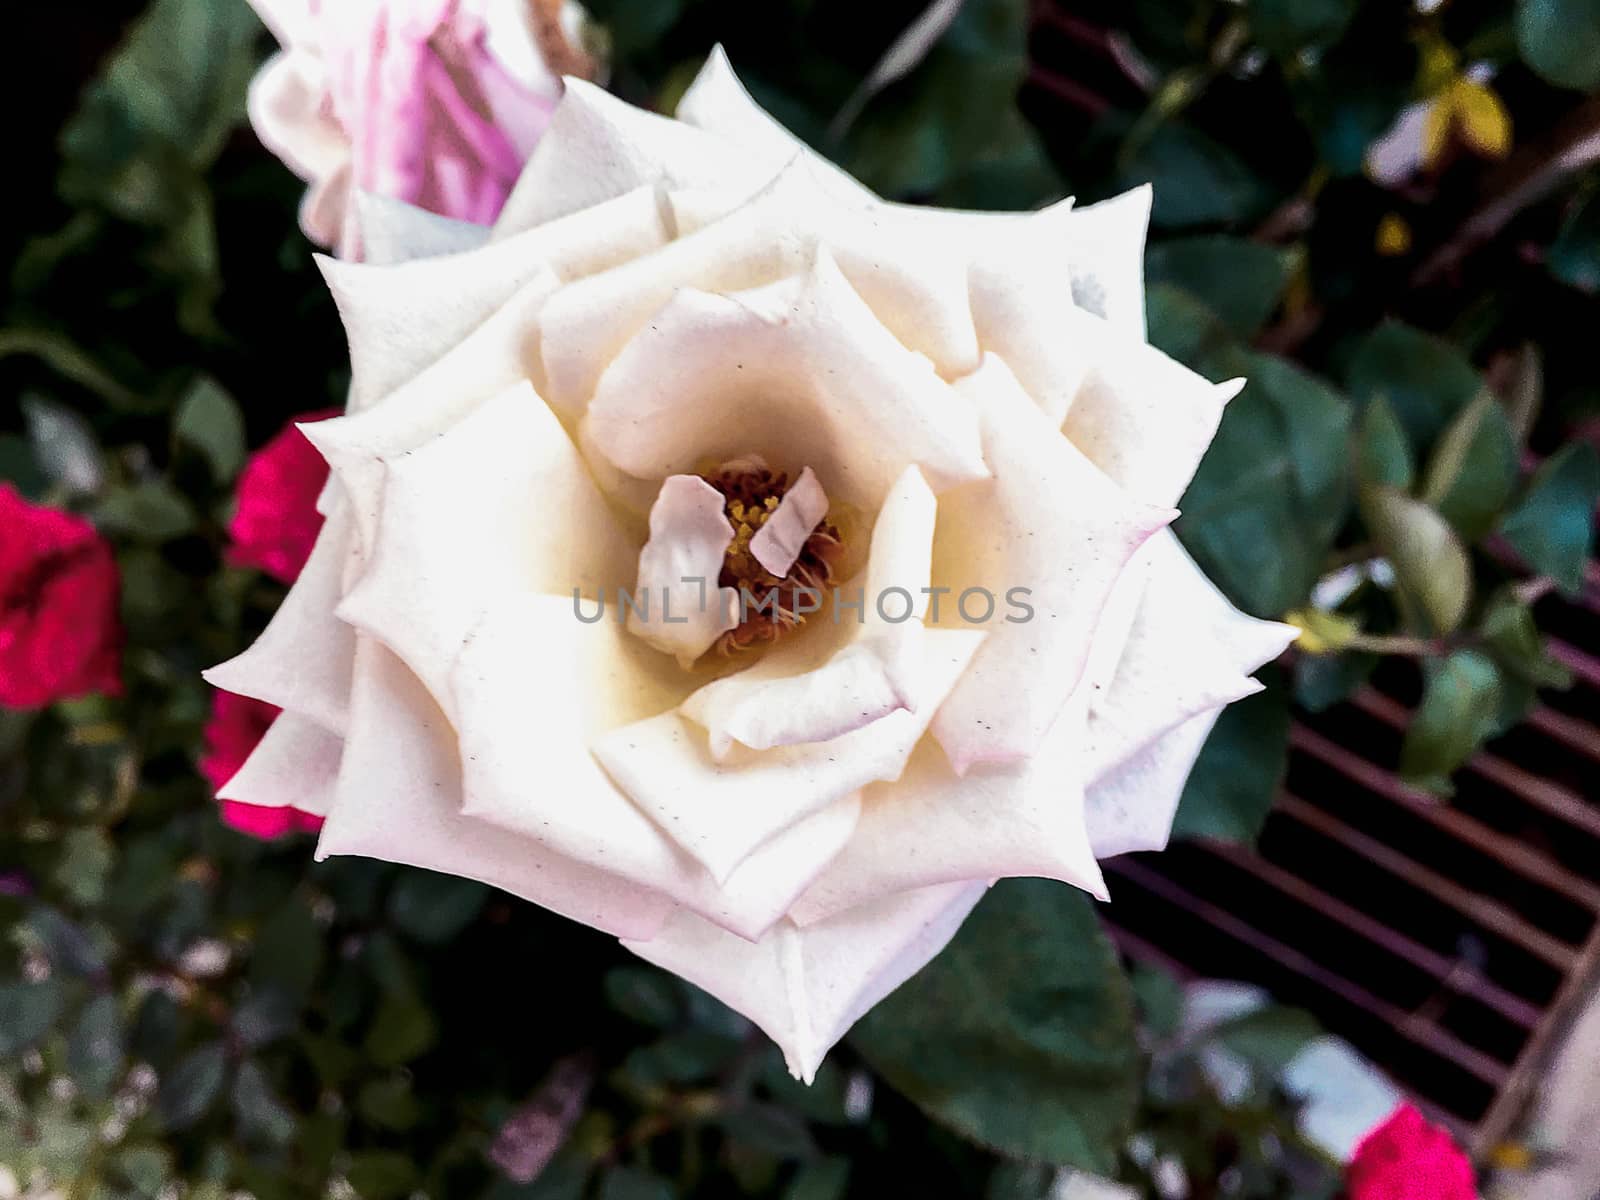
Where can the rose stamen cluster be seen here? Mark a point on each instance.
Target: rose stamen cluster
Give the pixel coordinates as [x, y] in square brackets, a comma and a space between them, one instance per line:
[975, 414]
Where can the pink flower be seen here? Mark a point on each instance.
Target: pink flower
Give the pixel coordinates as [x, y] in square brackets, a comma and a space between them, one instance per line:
[276, 522]
[59, 631]
[236, 727]
[433, 102]
[1406, 1158]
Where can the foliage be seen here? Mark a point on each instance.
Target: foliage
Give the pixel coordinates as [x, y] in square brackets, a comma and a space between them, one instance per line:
[178, 1003]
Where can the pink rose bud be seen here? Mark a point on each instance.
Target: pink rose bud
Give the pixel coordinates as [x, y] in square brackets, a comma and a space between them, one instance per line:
[1406, 1158]
[276, 521]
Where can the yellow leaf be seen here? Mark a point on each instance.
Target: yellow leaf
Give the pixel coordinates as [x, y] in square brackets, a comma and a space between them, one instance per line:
[1322, 632]
[1485, 123]
[1394, 235]
[1436, 130]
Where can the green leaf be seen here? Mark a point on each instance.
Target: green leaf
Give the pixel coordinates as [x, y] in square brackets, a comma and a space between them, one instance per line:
[1019, 1035]
[403, 1029]
[86, 862]
[434, 908]
[1160, 997]
[1271, 492]
[28, 1011]
[1473, 468]
[188, 1091]
[389, 1103]
[95, 1046]
[1240, 280]
[1460, 707]
[828, 1179]
[1430, 564]
[1512, 636]
[1267, 1038]
[1426, 380]
[1551, 526]
[629, 1183]
[153, 511]
[63, 446]
[1197, 180]
[1235, 780]
[263, 1118]
[1286, 27]
[1560, 39]
[381, 1174]
[1574, 256]
[770, 1129]
[1382, 453]
[645, 995]
[209, 420]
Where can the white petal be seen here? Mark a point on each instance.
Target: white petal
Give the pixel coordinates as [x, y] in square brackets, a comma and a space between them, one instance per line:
[295, 765]
[1049, 522]
[401, 319]
[719, 104]
[932, 826]
[721, 811]
[302, 660]
[806, 987]
[1188, 651]
[597, 147]
[1146, 420]
[800, 373]
[527, 766]
[678, 569]
[285, 105]
[393, 231]
[1108, 259]
[778, 543]
[499, 354]
[399, 799]
[1132, 806]
[499, 504]
[824, 683]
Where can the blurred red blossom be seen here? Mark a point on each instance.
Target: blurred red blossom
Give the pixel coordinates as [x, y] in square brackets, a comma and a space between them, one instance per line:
[237, 724]
[277, 521]
[1406, 1158]
[60, 635]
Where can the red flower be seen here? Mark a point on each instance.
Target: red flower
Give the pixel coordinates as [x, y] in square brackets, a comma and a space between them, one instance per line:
[237, 724]
[1406, 1158]
[59, 631]
[277, 521]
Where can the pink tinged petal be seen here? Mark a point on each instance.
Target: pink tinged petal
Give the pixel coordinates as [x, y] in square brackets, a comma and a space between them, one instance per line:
[292, 22]
[1189, 651]
[597, 147]
[1146, 421]
[778, 543]
[677, 606]
[806, 987]
[295, 765]
[394, 232]
[1050, 522]
[719, 104]
[859, 669]
[302, 660]
[720, 812]
[399, 800]
[1132, 806]
[498, 505]
[513, 733]
[286, 110]
[800, 372]
[403, 318]
[1107, 250]
[932, 826]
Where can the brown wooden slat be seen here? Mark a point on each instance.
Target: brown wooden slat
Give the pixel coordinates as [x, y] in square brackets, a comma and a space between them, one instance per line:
[1570, 731]
[1420, 1031]
[1489, 914]
[1453, 974]
[1521, 858]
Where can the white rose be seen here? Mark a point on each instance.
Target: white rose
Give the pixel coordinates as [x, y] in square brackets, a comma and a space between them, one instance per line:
[965, 400]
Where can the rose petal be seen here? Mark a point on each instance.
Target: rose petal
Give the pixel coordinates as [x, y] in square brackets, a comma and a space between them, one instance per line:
[932, 826]
[1188, 651]
[1133, 805]
[575, 809]
[806, 987]
[678, 569]
[302, 660]
[1048, 521]
[778, 543]
[399, 799]
[800, 372]
[295, 765]
[1107, 250]
[393, 231]
[499, 504]
[402, 318]
[721, 811]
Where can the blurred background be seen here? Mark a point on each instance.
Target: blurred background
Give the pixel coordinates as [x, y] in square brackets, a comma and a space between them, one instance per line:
[1385, 214]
